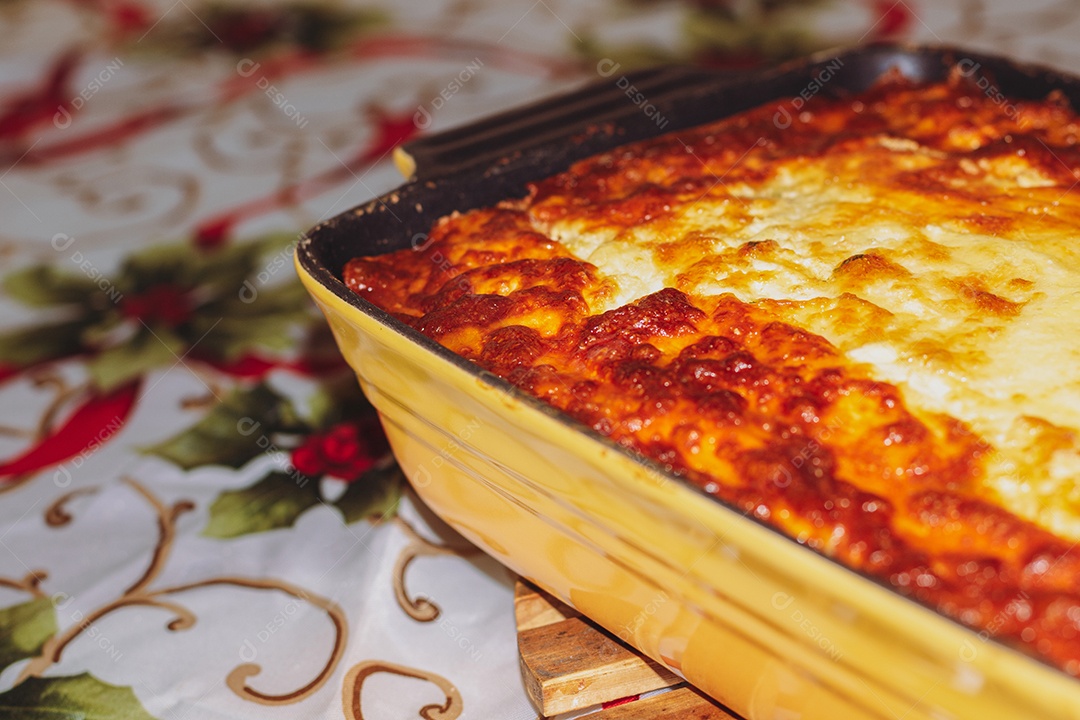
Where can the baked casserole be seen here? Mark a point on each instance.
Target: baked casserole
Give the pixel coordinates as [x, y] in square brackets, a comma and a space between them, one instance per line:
[857, 321]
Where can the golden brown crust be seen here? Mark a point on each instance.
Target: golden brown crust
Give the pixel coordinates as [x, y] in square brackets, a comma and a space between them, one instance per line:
[743, 398]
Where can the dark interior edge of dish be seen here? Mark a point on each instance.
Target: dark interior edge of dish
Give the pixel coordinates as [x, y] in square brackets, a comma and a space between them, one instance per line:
[669, 91]
[329, 245]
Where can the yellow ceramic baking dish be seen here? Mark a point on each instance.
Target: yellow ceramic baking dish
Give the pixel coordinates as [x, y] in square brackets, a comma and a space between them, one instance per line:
[764, 625]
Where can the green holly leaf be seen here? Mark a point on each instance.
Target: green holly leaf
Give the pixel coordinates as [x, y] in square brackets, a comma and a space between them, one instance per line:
[787, 33]
[181, 265]
[218, 271]
[41, 343]
[336, 399]
[285, 298]
[375, 495]
[274, 502]
[320, 29]
[629, 56]
[324, 405]
[235, 337]
[79, 697]
[225, 269]
[233, 432]
[267, 318]
[45, 286]
[25, 628]
[229, 27]
[156, 265]
[147, 350]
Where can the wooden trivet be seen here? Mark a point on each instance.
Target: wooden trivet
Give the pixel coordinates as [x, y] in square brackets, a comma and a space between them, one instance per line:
[568, 663]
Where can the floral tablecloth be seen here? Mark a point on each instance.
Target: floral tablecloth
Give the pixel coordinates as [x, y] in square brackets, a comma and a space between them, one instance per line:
[199, 517]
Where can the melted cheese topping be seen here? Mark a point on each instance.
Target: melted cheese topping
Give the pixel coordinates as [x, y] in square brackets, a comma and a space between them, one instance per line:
[966, 322]
[863, 329]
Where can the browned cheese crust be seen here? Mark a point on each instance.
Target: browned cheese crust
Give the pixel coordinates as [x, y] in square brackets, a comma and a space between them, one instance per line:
[762, 398]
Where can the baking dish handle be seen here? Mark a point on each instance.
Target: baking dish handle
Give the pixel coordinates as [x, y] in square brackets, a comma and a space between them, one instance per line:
[620, 96]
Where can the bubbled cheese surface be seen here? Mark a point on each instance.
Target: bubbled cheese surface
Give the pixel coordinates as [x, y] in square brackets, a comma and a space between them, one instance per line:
[862, 328]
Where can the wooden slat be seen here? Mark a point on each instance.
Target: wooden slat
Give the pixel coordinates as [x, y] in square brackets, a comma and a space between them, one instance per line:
[569, 665]
[533, 608]
[683, 703]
